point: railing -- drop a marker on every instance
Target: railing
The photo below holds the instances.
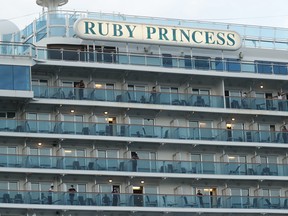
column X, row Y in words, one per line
column 141, row 165
column 61, row 23
column 257, row 103
column 182, row 62
column 181, row 99
column 112, row 95
column 17, row 49
column 142, row 200
column 186, row 62
column 144, row 131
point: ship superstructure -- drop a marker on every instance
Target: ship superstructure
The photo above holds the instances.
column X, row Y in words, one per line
column 110, row 114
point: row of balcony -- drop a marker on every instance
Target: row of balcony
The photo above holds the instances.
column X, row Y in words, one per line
column 142, row 131
column 181, row 99
column 142, row 165
column 142, row 200
column 165, row 60
column 63, row 20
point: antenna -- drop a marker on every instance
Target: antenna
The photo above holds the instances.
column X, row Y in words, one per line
column 52, row 5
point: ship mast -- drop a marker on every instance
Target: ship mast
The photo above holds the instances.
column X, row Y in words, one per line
column 51, row 5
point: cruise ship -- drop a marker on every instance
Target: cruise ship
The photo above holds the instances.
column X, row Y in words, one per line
column 116, row 115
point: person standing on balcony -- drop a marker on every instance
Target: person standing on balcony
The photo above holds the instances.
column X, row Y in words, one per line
column 106, row 200
column 71, row 192
column 50, row 194
column 153, row 95
column 200, row 197
column 280, row 97
column 284, row 134
column 81, row 87
column 115, row 197
column 244, row 100
column 135, row 157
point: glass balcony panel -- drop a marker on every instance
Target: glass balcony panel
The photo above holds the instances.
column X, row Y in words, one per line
column 175, row 100
column 70, row 162
column 154, row 60
column 264, row 67
column 46, row 162
column 267, row 32
column 252, row 43
column 216, row 101
column 180, row 133
column 206, row 134
column 235, row 102
column 208, row 167
column 280, row 69
column 85, row 56
column 41, row 22
column 233, row 65
column 68, row 127
column 113, row 164
column 260, row 103
column 98, row 94
column 264, row 136
column 41, row 34
column 57, row 19
column 267, row 44
column 164, row 98
column 71, row 55
column 5, row 49
column 57, row 31
column 72, row 18
column 123, row 59
column 28, row 31
column 281, row 33
column 167, row 60
column 237, row 135
column 202, row 63
column 248, row 67
column 102, row 129
column 14, row 161
column 281, row 45
column 148, row 131
column 252, row 31
column 110, row 95
column 144, row 166
column 54, row 54
column 109, row 57
column 194, row 133
column 137, row 60
column 186, row 62
column 239, row 29
column 41, row 54
column 101, row 164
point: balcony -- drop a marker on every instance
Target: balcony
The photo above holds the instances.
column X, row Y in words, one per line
column 129, row 58
column 181, row 62
column 125, row 200
column 141, row 131
column 163, row 98
column 141, row 165
column 112, row 95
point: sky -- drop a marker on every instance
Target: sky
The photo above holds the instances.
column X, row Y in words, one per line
column 253, row 12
